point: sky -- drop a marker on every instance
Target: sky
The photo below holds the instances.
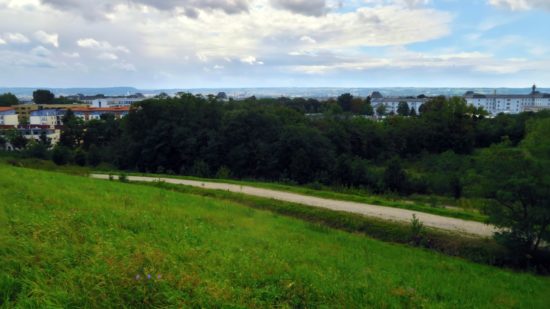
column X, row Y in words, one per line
column 161, row 44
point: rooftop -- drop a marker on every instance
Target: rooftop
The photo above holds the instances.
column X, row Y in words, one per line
column 101, row 109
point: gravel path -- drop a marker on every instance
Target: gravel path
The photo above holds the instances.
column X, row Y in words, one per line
column 381, row 212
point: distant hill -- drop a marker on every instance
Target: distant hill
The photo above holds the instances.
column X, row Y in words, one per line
column 309, row 92
column 113, row 91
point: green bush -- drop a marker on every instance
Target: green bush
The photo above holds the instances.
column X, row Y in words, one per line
column 80, row 157
column 61, row 155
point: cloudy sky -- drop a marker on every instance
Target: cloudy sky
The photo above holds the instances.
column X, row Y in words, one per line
column 274, row 43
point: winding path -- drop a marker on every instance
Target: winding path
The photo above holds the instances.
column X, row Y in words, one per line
column 381, row 212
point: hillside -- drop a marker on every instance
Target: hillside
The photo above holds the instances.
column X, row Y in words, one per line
column 68, row 241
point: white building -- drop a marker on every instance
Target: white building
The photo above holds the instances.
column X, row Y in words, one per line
column 509, row 104
column 392, row 103
column 47, row 117
column 34, row 132
column 93, row 113
column 114, row 102
column 8, row 117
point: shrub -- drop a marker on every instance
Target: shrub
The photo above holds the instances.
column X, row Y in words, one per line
column 123, row 178
column 61, row 155
column 80, row 157
column 37, row 150
column 94, row 156
column 223, row 173
column 200, row 169
column 417, row 231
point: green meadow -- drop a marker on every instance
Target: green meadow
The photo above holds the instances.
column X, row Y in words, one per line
column 70, row 242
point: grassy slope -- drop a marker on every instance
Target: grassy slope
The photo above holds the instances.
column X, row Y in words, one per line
column 70, row 241
column 466, row 214
column 419, row 203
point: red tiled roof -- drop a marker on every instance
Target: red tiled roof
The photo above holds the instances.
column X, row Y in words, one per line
column 5, row 109
column 102, row 109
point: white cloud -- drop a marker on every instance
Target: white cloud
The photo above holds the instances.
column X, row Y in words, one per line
column 231, row 39
column 101, row 45
column 16, row 38
column 107, row 56
column 308, row 39
column 251, row 60
column 402, row 59
column 47, row 38
column 521, row 4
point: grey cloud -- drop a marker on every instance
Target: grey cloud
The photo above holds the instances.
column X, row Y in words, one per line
column 98, row 9
column 414, row 3
column 522, row 4
column 304, row 7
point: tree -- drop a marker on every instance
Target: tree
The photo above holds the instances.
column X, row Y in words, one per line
column 94, row 156
column 162, row 96
column 381, row 110
column 73, row 130
column 518, row 179
column 368, row 109
column 403, row 109
column 17, row 140
column 42, row 96
column 449, row 124
column 8, row 99
column 80, row 157
column 61, row 155
column 395, row 178
column 358, row 106
column 413, row 113
column 3, row 142
column 45, row 140
column 345, row 101
column 37, row 150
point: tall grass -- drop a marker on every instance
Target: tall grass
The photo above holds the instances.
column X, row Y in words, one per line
column 72, row 242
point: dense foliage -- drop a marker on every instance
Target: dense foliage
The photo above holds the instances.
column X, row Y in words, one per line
column 8, row 99
column 298, row 140
column 42, row 96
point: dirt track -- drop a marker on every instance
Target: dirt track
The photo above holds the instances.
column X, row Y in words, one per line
column 387, row 213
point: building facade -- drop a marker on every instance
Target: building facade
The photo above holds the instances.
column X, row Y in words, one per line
column 495, row 103
column 47, row 117
column 92, row 113
column 34, row 132
column 24, row 110
column 392, row 103
column 114, row 102
column 8, row 117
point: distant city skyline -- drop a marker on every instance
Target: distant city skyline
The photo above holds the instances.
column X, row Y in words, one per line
column 189, row 44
